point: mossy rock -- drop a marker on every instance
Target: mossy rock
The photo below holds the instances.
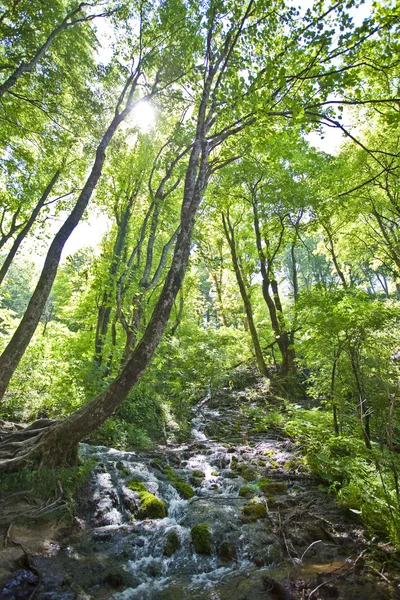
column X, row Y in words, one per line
column 137, row 486
column 198, row 474
column 273, row 487
column 255, row 511
column 271, row 501
column 226, row 551
column 248, row 474
column 196, row 482
column 172, row 543
column 122, row 469
column 246, row 492
column 215, row 473
column 150, row 506
column 269, row 453
column 201, row 538
column 273, row 464
column 184, row 489
column 262, row 463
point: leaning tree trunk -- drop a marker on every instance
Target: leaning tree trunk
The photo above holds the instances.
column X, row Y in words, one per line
column 13, row 353
column 54, row 443
column 27, row 227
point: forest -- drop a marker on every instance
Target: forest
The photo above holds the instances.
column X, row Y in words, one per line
column 200, row 203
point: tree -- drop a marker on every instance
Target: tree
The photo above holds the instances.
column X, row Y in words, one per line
column 231, row 39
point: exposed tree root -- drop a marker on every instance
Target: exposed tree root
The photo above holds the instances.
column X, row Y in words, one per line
column 19, row 446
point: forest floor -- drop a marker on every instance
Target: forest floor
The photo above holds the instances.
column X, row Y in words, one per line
column 276, row 533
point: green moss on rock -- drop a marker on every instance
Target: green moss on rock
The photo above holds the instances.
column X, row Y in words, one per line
column 247, row 473
column 122, row 469
column 201, row 538
column 150, row 506
column 255, row 511
column 273, row 487
column 246, row 491
column 226, row 551
column 172, row 543
column 184, row 489
column 137, row 486
column 198, row 474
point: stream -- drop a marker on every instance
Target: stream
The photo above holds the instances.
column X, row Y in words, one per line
column 296, row 542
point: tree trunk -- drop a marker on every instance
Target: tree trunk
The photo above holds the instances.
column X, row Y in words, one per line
column 104, row 310
column 27, row 227
column 230, row 236
column 14, row 351
column 273, row 302
column 57, row 443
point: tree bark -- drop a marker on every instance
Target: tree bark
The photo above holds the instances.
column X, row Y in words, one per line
column 27, row 227
column 104, row 309
column 273, row 302
column 230, row 236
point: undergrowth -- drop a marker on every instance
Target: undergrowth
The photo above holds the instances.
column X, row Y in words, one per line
column 365, row 481
column 48, row 482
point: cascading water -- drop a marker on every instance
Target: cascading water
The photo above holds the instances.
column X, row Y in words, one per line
column 242, row 491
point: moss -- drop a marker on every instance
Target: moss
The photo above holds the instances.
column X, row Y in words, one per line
column 226, row 551
column 246, row 491
column 262, row 463
column 255, row 511
column 150, row 506
column 201, row 538
column 198, row 474
column 273, row 487
column 274, row 464
column 269, row 453
column 172, row 543
column 137, row 486
column 214, row 473
column 271, row 501
column 122, row 469
column 293, row 463
column 248, row 474
column 184, row 489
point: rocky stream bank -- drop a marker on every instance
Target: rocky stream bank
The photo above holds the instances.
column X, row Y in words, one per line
column 231, row 514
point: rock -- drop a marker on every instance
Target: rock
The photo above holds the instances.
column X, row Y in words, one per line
column 201, row 538
column 150, row 506
column 172, row 543
column 103, row 536
column 122, row 469
column 255, row 511
column 11, row 558
column 246, row 491
column 272, row 487
column 184, row 489
column 226, row 551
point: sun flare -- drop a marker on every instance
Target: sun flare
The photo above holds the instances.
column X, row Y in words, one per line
column 143, row 116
